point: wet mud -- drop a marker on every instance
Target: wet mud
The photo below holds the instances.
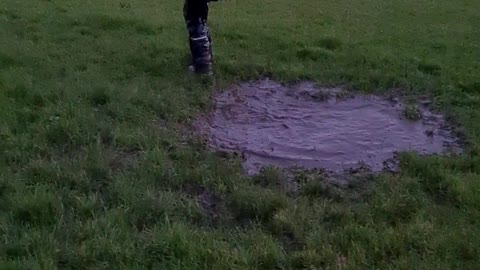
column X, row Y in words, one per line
column 302, row 126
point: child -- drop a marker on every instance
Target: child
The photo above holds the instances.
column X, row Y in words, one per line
column 200, row 41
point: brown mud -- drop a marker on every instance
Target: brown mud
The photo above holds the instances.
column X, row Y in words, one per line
column 272, row 125
column 207, row 200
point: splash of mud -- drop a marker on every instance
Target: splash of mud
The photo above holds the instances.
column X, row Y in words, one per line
column 301, row 126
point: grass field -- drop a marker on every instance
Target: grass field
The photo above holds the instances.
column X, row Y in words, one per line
column 98, row 171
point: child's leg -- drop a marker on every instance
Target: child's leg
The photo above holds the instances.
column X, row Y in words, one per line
column 193, row 10
column 196, row 15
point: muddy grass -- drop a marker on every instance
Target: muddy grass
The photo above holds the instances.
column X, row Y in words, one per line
column 301, row 126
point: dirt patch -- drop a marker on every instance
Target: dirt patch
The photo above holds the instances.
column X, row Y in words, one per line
column 122, row 160
column 329, row 128
column 207, row 200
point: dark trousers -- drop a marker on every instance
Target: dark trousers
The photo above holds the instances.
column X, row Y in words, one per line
column 195, row 11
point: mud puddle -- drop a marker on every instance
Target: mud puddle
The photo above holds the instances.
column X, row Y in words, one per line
column 302, row 126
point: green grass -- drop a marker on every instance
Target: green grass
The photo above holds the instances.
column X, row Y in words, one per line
column 96, row 159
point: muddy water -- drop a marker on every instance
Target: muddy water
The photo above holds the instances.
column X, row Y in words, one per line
column 301, row 126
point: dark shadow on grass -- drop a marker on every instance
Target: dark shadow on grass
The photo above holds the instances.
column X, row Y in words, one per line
column 430, row 69
column 473, row 87
column 314, row 54
column 7, row 61
column 329, row 43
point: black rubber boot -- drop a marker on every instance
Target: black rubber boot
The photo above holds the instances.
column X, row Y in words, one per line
column 200, row 40
column 200, row 43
